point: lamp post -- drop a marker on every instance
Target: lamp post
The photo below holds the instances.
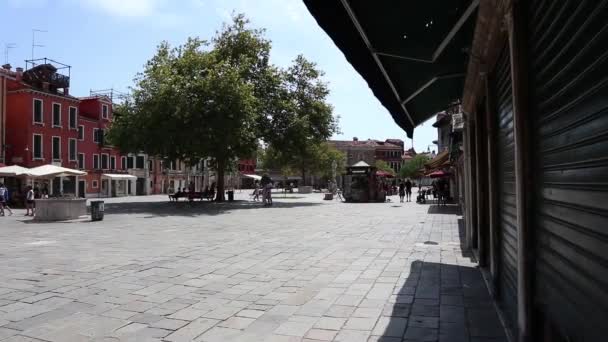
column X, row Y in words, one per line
column 334, row 166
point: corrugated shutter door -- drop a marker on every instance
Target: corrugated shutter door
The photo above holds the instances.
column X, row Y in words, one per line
column 507, row 218
column 569, row 89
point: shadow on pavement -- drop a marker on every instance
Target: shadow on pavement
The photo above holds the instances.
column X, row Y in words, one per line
column 450, row 209
column 442, row 302
column 195, row 208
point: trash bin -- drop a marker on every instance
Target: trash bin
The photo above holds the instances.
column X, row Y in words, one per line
column 230, row 195
column 97, row 210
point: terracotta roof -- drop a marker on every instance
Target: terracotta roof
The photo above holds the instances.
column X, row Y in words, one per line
column 390, row 143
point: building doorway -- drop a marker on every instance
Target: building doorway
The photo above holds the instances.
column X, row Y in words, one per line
column 81, row 188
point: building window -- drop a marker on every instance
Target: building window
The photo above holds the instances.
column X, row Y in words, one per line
column 95, row 184
column 56, row 148
column 139, row 162
column 104, row 111
column 72, row 149
column 150, row 164
column 98, row 135
column 56, row 115
column 104, row 161
column 129, row 162
column 112, row 163
column 81, row 161
column 96, row 161
column 81, row 132
column 37, row 111
column 123, row 162
column 73, row 117
column 37, row 148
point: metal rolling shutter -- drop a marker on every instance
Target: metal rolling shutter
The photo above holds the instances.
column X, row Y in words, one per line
column 569, row 95
column 507, row 218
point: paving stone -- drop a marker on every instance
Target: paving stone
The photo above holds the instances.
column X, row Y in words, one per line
column 424, row 322
column 192, row 330
column 390, row 327
column 169, row 324
column 188, row 314
column 218, row 334
column 352, row 336
column 340, row 311
column 330, row 323
column 221, row 313
column 6, row 333
column 199, row 276
column 137, row 306
column 236, row 323
column 321, row 335
column 293, row 328
column 356, row 323
column 145, row 318
column 367, row 312
column 250, row 313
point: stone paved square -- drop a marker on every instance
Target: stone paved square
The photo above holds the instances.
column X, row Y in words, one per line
column 302, row 270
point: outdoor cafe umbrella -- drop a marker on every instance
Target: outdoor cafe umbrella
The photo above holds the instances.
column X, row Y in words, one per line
column 52, row 171
column 381, row 173
column 13, row 171
column 439, row 174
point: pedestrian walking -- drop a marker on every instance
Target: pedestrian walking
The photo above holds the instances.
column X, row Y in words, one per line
column 266, row 184
column 29, row 202
column 256, row 191
column 401, row 191
column 408, row 190
column 4, row 200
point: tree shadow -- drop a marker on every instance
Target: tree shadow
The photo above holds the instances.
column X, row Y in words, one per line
column 193, row 209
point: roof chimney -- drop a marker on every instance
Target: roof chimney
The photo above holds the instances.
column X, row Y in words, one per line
column 355, row 139
column 19, row 73
column 6, row 67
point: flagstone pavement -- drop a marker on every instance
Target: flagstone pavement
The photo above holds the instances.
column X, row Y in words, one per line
column 302, row 270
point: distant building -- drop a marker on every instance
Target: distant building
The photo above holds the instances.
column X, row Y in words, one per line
column 370, row 151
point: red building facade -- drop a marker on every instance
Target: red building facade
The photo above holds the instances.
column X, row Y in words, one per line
column 46, row 125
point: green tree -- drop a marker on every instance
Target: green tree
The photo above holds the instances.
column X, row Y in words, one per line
column 383, row 166
column 301, row 119
column 411, row 169
column 202, row 100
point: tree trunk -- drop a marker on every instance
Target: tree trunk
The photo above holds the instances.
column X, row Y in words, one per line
column 304, row 176
column 219, row 196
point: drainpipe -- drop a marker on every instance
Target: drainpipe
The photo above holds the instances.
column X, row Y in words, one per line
column 3, row 123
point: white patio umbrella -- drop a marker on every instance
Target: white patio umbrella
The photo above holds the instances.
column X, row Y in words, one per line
column 13, row 171
column 51, row 171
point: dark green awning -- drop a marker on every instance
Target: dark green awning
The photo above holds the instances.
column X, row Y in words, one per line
column 413, row 54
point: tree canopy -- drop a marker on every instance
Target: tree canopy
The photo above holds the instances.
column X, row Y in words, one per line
column 217, row 99
column 381, row 165
column 298, row 130
column 411, row 169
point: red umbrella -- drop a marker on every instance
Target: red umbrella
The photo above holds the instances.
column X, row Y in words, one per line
column 439, row 174
column 383, row 174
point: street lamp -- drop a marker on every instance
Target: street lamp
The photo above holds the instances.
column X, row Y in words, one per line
column 334, row 166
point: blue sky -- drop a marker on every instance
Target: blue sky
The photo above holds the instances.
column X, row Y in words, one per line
column 108, row 41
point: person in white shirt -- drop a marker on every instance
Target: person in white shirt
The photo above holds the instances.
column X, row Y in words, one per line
column 29, row 202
